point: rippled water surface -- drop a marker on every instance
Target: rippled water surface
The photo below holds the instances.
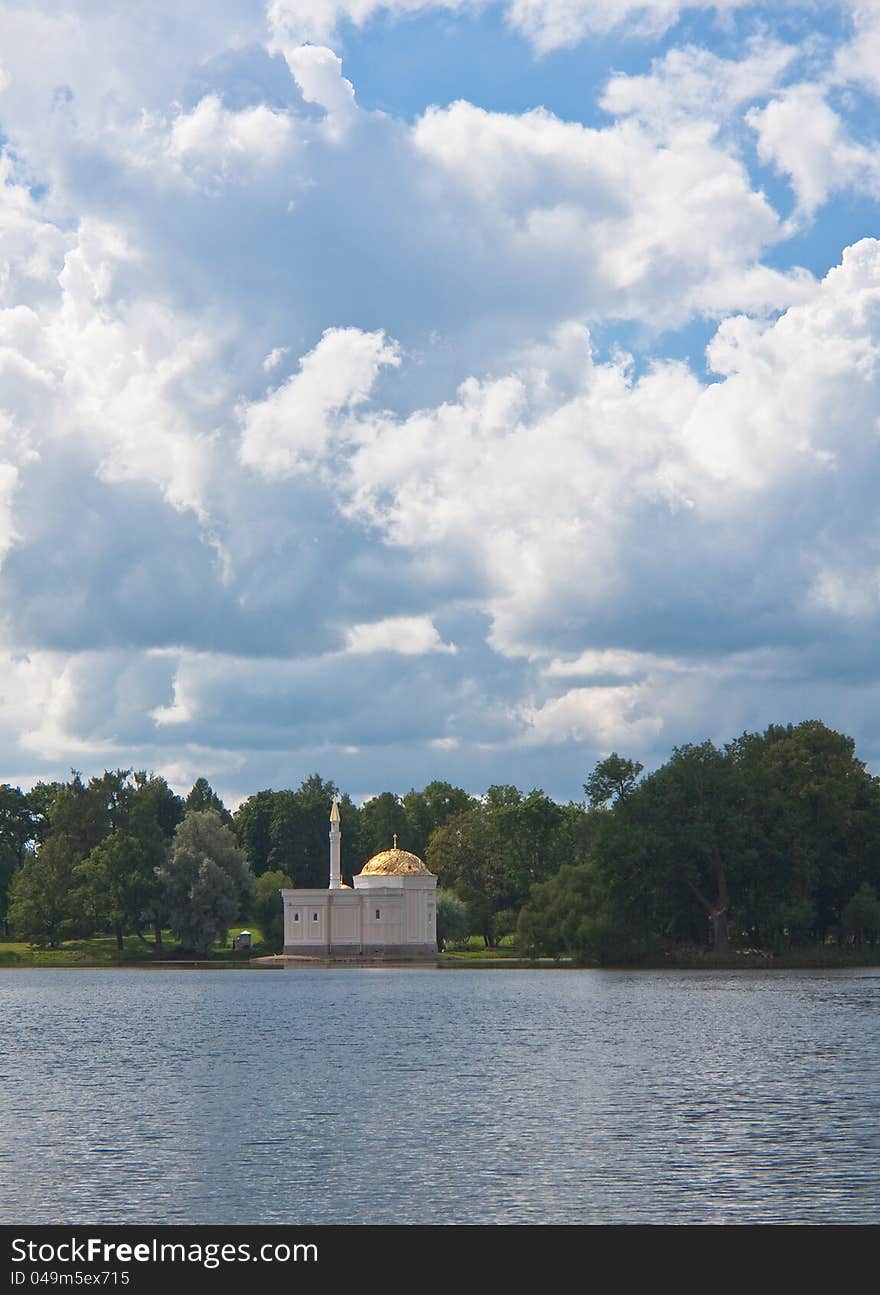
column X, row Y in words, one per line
column 381, row 1096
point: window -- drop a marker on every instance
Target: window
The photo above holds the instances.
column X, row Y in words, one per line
column 314, row 917
column 296, row 917
column 378, row 914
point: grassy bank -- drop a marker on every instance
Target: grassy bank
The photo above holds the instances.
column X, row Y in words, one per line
column 101, row 951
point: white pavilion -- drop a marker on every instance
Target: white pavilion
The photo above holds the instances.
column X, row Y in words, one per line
column 391, row 912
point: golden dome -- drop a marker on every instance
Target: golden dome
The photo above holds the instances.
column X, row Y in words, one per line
column 394, row 863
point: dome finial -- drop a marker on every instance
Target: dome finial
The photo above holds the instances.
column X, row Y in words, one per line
column 395, row 840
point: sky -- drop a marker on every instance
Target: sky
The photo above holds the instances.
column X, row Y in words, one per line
column 457, row 389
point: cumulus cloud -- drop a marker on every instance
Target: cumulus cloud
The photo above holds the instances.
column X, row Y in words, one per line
column 32, row 247
column 694, row 81
column 802, row 136
column 610, row 216
column 600, row 717
column 113, row 372
column 858, row 60
column 406, row 635
column 212, row 139
column 318, row 73
column 457, row 524
column 547, row 24
column 534, row 490
column 296, row 423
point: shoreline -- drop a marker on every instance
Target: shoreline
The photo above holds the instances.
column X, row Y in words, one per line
column 442, row 962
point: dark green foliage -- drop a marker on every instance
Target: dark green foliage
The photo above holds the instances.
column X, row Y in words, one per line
column 429, row 809
column 17, row 834
column 288, row 830
column 570, row 915
column 202, row 796
column 613, row 778
column 860, row 919
column 42, row 906
column 253, row 828
column 266, row 908
column 766, row 843
column 492, row 853
column 381, row 819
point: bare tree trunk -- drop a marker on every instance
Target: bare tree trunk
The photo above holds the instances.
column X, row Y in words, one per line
column 720, row 943
column 719, row 911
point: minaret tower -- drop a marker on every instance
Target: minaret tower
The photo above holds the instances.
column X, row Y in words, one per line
column 335, row 847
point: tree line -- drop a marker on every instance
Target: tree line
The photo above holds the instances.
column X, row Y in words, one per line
column 122, row 853
column 771, row 841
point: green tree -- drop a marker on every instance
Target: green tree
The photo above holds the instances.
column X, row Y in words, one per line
column 494, row 852
column 202, row 796
column 266, row 906
column 461, row 855
column 117, row 884
column 17, row 836
column 206, row 880
column 299, row 832
column 429, row 809
column 253, row 828
column 154, row 800
column 812, row 816
column 42, row 907
column 113, row 885
column 613, row 779
column 861, row 916
column 41, row 798
column 287, row 831
column 79, row 812
column 452, row 920
column 381, row 819
column 569, row 916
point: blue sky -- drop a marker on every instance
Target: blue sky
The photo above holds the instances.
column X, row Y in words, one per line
column 427, row 390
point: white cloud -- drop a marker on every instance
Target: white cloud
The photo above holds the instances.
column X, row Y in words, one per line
column 318, row 73
column 274, row 358
column 180, row 711
column 406, row 635
column 553, row 24
column 695, row 82
column 600, row 717
column 296, row 22
column 222, row 143
column 8, row 486
column 546, row 499
column 608, row 662
column 602, row 539
column 612, row 217
column 86, row 363
column 858, row 61
column 31, row 247
column 547, row 24
column 802, row 136
column 293, row 426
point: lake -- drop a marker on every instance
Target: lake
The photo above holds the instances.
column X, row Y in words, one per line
column 423, row 1096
